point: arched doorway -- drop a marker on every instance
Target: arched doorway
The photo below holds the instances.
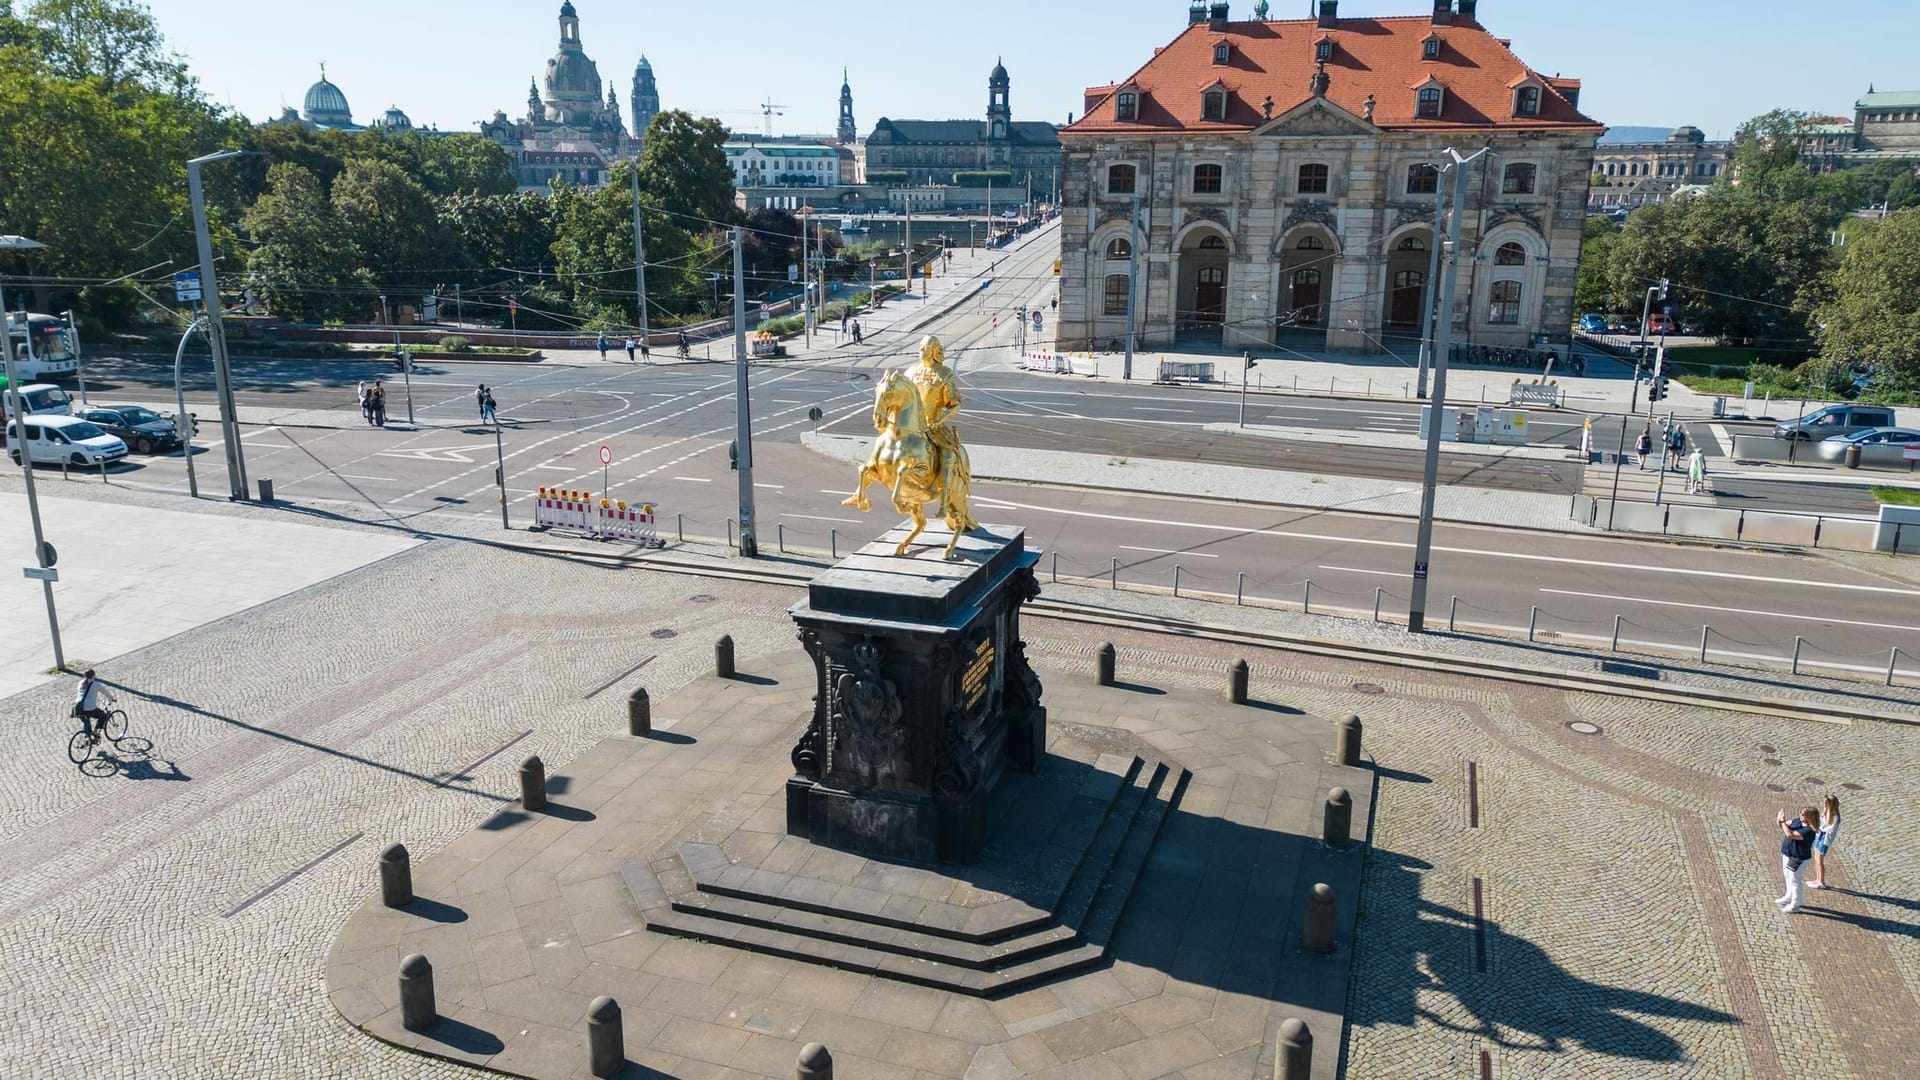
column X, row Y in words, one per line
column 1407, row 282
column 1306, row 268
column 1202, row 298
column 1305, row 297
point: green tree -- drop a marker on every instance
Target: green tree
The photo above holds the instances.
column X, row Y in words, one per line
column 683, row 166
column 304, row 259
column 1872, row 315
column 1594, row 291
column 498, row 236
column 392, row 222
column 115, row 41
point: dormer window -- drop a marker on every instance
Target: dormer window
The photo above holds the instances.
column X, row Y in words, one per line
column 1323, row 50
column 1213, row 105
column 1126, row 106
column 1222, row 53
column 1430, row 47
column 1526, row 101
column 1427, row 104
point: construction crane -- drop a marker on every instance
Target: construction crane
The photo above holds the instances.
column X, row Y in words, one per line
column 769, row 110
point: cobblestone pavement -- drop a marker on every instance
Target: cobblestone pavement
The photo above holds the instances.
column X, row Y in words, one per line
column 171, row 918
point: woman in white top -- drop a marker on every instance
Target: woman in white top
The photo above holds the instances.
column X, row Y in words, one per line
column 1823, row 840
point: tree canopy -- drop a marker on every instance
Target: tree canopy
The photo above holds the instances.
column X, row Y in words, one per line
column 1871, row 316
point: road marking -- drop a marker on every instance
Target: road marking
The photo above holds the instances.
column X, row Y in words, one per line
column 1357, row 570
column 554, row 468
column 1732, row 611
column 357, row 476
column 1164, row 551
column 1150, row 408
column 457, row 454
column 772, row 487
column 1726, row 440
column 817, row 517
column 695, row 479
column 1287, row 534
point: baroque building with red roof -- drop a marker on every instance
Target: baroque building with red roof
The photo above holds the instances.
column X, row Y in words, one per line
column 1285, row 174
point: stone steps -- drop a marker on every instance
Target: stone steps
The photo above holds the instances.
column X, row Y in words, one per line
column 683, row 897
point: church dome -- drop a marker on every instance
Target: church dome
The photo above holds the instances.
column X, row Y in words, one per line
column 325, row 102
column 396, row 120
column 1687, row 134
column 570, row 76
column 999, row 72
column 567, row 12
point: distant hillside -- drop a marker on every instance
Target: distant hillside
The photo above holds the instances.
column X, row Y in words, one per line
column 1636, row 135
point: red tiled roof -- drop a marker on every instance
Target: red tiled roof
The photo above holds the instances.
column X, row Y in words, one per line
column 1378, row 57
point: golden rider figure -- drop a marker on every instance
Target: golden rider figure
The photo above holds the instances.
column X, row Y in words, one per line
column 940, row 399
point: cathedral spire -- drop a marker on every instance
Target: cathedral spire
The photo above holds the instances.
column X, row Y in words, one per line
column 848, row 132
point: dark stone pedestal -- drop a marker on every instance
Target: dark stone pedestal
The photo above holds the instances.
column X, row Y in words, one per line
column 923, row 697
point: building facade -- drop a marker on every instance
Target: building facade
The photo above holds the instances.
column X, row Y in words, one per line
column 572, row 129
column 1285, row 176
column 760, row 163
column 1634, row 174
column 1885, row 127
column 924, row 152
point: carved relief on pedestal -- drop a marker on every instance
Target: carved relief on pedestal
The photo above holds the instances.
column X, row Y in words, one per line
column 867, row 735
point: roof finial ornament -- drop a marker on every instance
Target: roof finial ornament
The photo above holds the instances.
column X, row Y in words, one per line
column 1320, row 79
column 1260, row 10
column 1266, row 107
column 1369, row 107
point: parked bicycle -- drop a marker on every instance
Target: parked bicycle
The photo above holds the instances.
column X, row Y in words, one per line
column 110, row 727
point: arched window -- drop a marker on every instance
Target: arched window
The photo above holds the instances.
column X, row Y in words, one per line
column 1311, row 243
column 1119, row 248
column 1120, row 179
column 1206, row 179
column 1518, row 178
column 1213, row 242
column 1430, row 48
column 1323, row 50
column 1413, row 243
column 1213, row 105
column 1423, row 179
column 1503, row 308
column 1127, row 106
column 1313, row 180
column 1114, row 297
column 1222, row 53
column 1526, row 101
column 1510, row 255
column 1428, row 105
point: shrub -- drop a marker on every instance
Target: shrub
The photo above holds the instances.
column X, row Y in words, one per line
column 454, row 343
column 783, row 326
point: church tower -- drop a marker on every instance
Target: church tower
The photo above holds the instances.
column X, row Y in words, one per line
column 999, row 113
column 646, row 98
column 848, row 133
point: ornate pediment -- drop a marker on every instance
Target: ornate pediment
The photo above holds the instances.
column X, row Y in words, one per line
column 1317, row 116
column 1509, row 213
column 1215, row 214
column 1314, row 212
column 1405, row 214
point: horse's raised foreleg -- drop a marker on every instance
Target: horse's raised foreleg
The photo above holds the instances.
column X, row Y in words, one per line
column 858, row 500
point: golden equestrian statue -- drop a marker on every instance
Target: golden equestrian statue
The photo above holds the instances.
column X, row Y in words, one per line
column 916, row 453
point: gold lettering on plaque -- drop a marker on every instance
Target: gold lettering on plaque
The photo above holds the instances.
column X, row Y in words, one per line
column 979, row 674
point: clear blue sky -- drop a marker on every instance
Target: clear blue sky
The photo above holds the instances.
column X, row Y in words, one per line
column 1710, row 63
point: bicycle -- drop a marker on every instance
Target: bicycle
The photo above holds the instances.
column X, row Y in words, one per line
column 86, row 741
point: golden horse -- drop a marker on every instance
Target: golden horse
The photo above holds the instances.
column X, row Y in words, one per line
column 916, row 471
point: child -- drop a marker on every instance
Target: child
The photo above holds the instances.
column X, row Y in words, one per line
column 1824, row 839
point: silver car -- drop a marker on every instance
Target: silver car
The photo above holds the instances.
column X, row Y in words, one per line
column 1878, row 446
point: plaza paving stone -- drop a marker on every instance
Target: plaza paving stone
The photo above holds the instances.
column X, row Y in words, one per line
column 173, row 918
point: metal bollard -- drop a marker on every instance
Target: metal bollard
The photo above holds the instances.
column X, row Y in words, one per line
column 680, row 527
column 606, row 1041
column 833, row 542
column 1056, row 568
column 1797, row 642
column 1893, row 661
column 1346, row 747
column 1614, row 645
column 1336, row 826
column 723, row 656
column 1293, row 1059
column 1176, row 579
column 814, row 1063
column 1113, row 575
column 1240, row 590
column 533, row 784
column 1316, row 931
column 1103, row 658
column 729, row 532
column 416, row 994
column 266, row 486
column 639, row 712
column 396, row 876
column 1237, row 682
column 1306, row 598
column 1704, row 632
column 1533, row 621
column 780, row 534
column 1377, row 594
column 1453, row 612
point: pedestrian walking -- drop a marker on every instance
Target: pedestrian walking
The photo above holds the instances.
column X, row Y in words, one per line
column 646, row 355
column 856, row 331
column 1823, row 840
column 487, row 406
column 1644, row 445
column 1796, row 847
column 845, row 316
column 631, row 345
column 377, row 404
column 361, row 396
column 1696, row 472
column 1676, row 446
column 684, row 343
column 480, row 400
column 603, row 346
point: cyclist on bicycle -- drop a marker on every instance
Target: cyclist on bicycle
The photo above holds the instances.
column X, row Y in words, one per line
column 90, row 704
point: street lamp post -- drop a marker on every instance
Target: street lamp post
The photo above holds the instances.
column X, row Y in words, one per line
column 183, row 424
column 1443, row 331
column 216, row 330
column 43, row 556
column 743, row 414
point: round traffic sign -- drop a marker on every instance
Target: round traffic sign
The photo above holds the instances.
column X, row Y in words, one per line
column 606, row 455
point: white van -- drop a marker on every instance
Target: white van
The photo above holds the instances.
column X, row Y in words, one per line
column 40, row 398
column 54, row 440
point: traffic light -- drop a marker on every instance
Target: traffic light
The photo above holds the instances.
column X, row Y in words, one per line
column 1657, row 389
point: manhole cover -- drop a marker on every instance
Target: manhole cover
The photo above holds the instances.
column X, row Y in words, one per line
column 1770, row 761
column 1581, row 727
column 1851, row 786
column 701, row 598
column 664, row 633
column 1776, row 788
column 1369, row 688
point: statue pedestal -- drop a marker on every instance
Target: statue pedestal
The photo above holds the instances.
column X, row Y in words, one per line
column 923, row 698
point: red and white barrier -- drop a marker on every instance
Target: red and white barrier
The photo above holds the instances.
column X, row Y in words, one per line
column 579, row 512
column 1048, row 361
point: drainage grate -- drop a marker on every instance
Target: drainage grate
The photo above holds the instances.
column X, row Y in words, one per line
column 1369, row 688
column 701, row 598
column 663, row 633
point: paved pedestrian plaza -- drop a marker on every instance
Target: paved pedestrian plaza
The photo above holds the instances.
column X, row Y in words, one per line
column 1568, row 884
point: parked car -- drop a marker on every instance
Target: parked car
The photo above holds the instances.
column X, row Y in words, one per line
column 1625, row 324
column 1591, row 323
column 143, row 429
column 53, row 440
column 1878, row 446
column 1662, row 323
column 1835, row 420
